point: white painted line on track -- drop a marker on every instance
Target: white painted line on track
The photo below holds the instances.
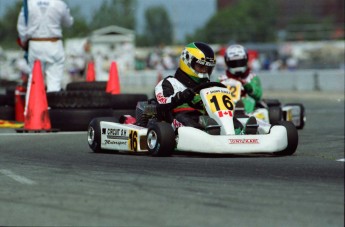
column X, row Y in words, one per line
column 43, row 133
column 20, row 179
column 341, row 160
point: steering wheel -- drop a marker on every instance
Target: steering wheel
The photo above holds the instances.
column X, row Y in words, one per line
column 199, row 87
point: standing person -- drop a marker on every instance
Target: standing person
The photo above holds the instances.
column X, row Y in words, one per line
column 39, row 26
column 236, row 60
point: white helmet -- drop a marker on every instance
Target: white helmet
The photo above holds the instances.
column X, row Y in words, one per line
column 236, row 58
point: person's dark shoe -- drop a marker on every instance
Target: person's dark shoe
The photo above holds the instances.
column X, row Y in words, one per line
column 239, row 109
column 251, row 127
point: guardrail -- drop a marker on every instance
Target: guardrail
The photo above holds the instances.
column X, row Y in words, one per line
column 299, row 80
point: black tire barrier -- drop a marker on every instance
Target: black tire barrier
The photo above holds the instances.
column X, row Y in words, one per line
column 127, row 101
column 87, row 86
column 78, row 99
column 10, row 91
column 76, row 119
column 7, row 113
column 3, row 100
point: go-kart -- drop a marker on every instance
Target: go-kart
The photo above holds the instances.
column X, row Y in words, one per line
column 269, row 110
column 150, row 132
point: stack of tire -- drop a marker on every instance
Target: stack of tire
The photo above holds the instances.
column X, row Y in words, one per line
column 7, row 101
column 74, row 108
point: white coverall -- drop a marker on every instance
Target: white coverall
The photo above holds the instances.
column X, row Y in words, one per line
column 43, row 32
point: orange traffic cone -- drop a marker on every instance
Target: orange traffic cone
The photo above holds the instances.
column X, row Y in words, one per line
column 37, row 115
column 113, row 84
column 90, row 73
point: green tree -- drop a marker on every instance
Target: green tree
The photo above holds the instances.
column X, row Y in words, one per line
column 115, row 12
column 305, row 27
column 246, row 21
column 8, row 26
column 158, row 28
column 80, row 26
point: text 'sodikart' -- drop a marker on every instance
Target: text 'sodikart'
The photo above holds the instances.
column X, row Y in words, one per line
column 148, row 132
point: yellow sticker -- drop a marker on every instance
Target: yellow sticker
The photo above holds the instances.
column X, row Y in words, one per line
column 219, row 102
column 133, row 140
column 235, row 91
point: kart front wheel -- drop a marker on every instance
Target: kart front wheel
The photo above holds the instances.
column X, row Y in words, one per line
column 160, row 139
column 94, row 133
column 292, row 135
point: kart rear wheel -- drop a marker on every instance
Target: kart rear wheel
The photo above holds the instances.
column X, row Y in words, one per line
column 94, row 133
column 160, row 139
column 275, row 114
column 292, row 135
column 271, row 102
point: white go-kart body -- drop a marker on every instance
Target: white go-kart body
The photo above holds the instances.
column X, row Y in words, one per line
column 160, row 138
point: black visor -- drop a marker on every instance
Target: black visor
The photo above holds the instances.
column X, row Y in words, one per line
column 209, row 65
column 237, row 63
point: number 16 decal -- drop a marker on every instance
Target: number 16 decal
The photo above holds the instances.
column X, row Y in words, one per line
column 133, row 140
column 221, row 102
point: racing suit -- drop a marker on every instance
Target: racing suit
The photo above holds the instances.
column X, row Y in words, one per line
column 252, row 89
column 41, row 33
column 174, row 95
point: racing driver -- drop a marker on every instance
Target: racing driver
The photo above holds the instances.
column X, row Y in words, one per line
column 236, row 60
column 175, row 96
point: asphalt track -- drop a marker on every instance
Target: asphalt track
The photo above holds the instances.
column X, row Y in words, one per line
column 53, row 179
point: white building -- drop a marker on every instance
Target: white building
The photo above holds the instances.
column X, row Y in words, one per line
column 112, row 43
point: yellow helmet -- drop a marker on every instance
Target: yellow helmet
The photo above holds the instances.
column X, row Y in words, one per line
column 194, row 54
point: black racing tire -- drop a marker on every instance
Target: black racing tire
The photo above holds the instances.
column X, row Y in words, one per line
column 160, row 139
column 87, row 86
column 302, row 114
column 94, row 133
column 272, row 102
column 292, row 135
column 78, row 99
column 7, row 113
column 275, row 114
column 127, row 101
column 75, row 119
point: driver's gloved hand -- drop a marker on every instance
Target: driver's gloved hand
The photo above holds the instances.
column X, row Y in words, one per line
column 185, row 96
column 248, row 88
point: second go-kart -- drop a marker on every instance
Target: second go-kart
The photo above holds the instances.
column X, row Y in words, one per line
column 270, row 110
column 150, row 132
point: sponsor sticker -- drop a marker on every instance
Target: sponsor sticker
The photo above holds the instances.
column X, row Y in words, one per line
column 244, row 141
column 161, row 98
column 176, row 124
column 116, row 133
